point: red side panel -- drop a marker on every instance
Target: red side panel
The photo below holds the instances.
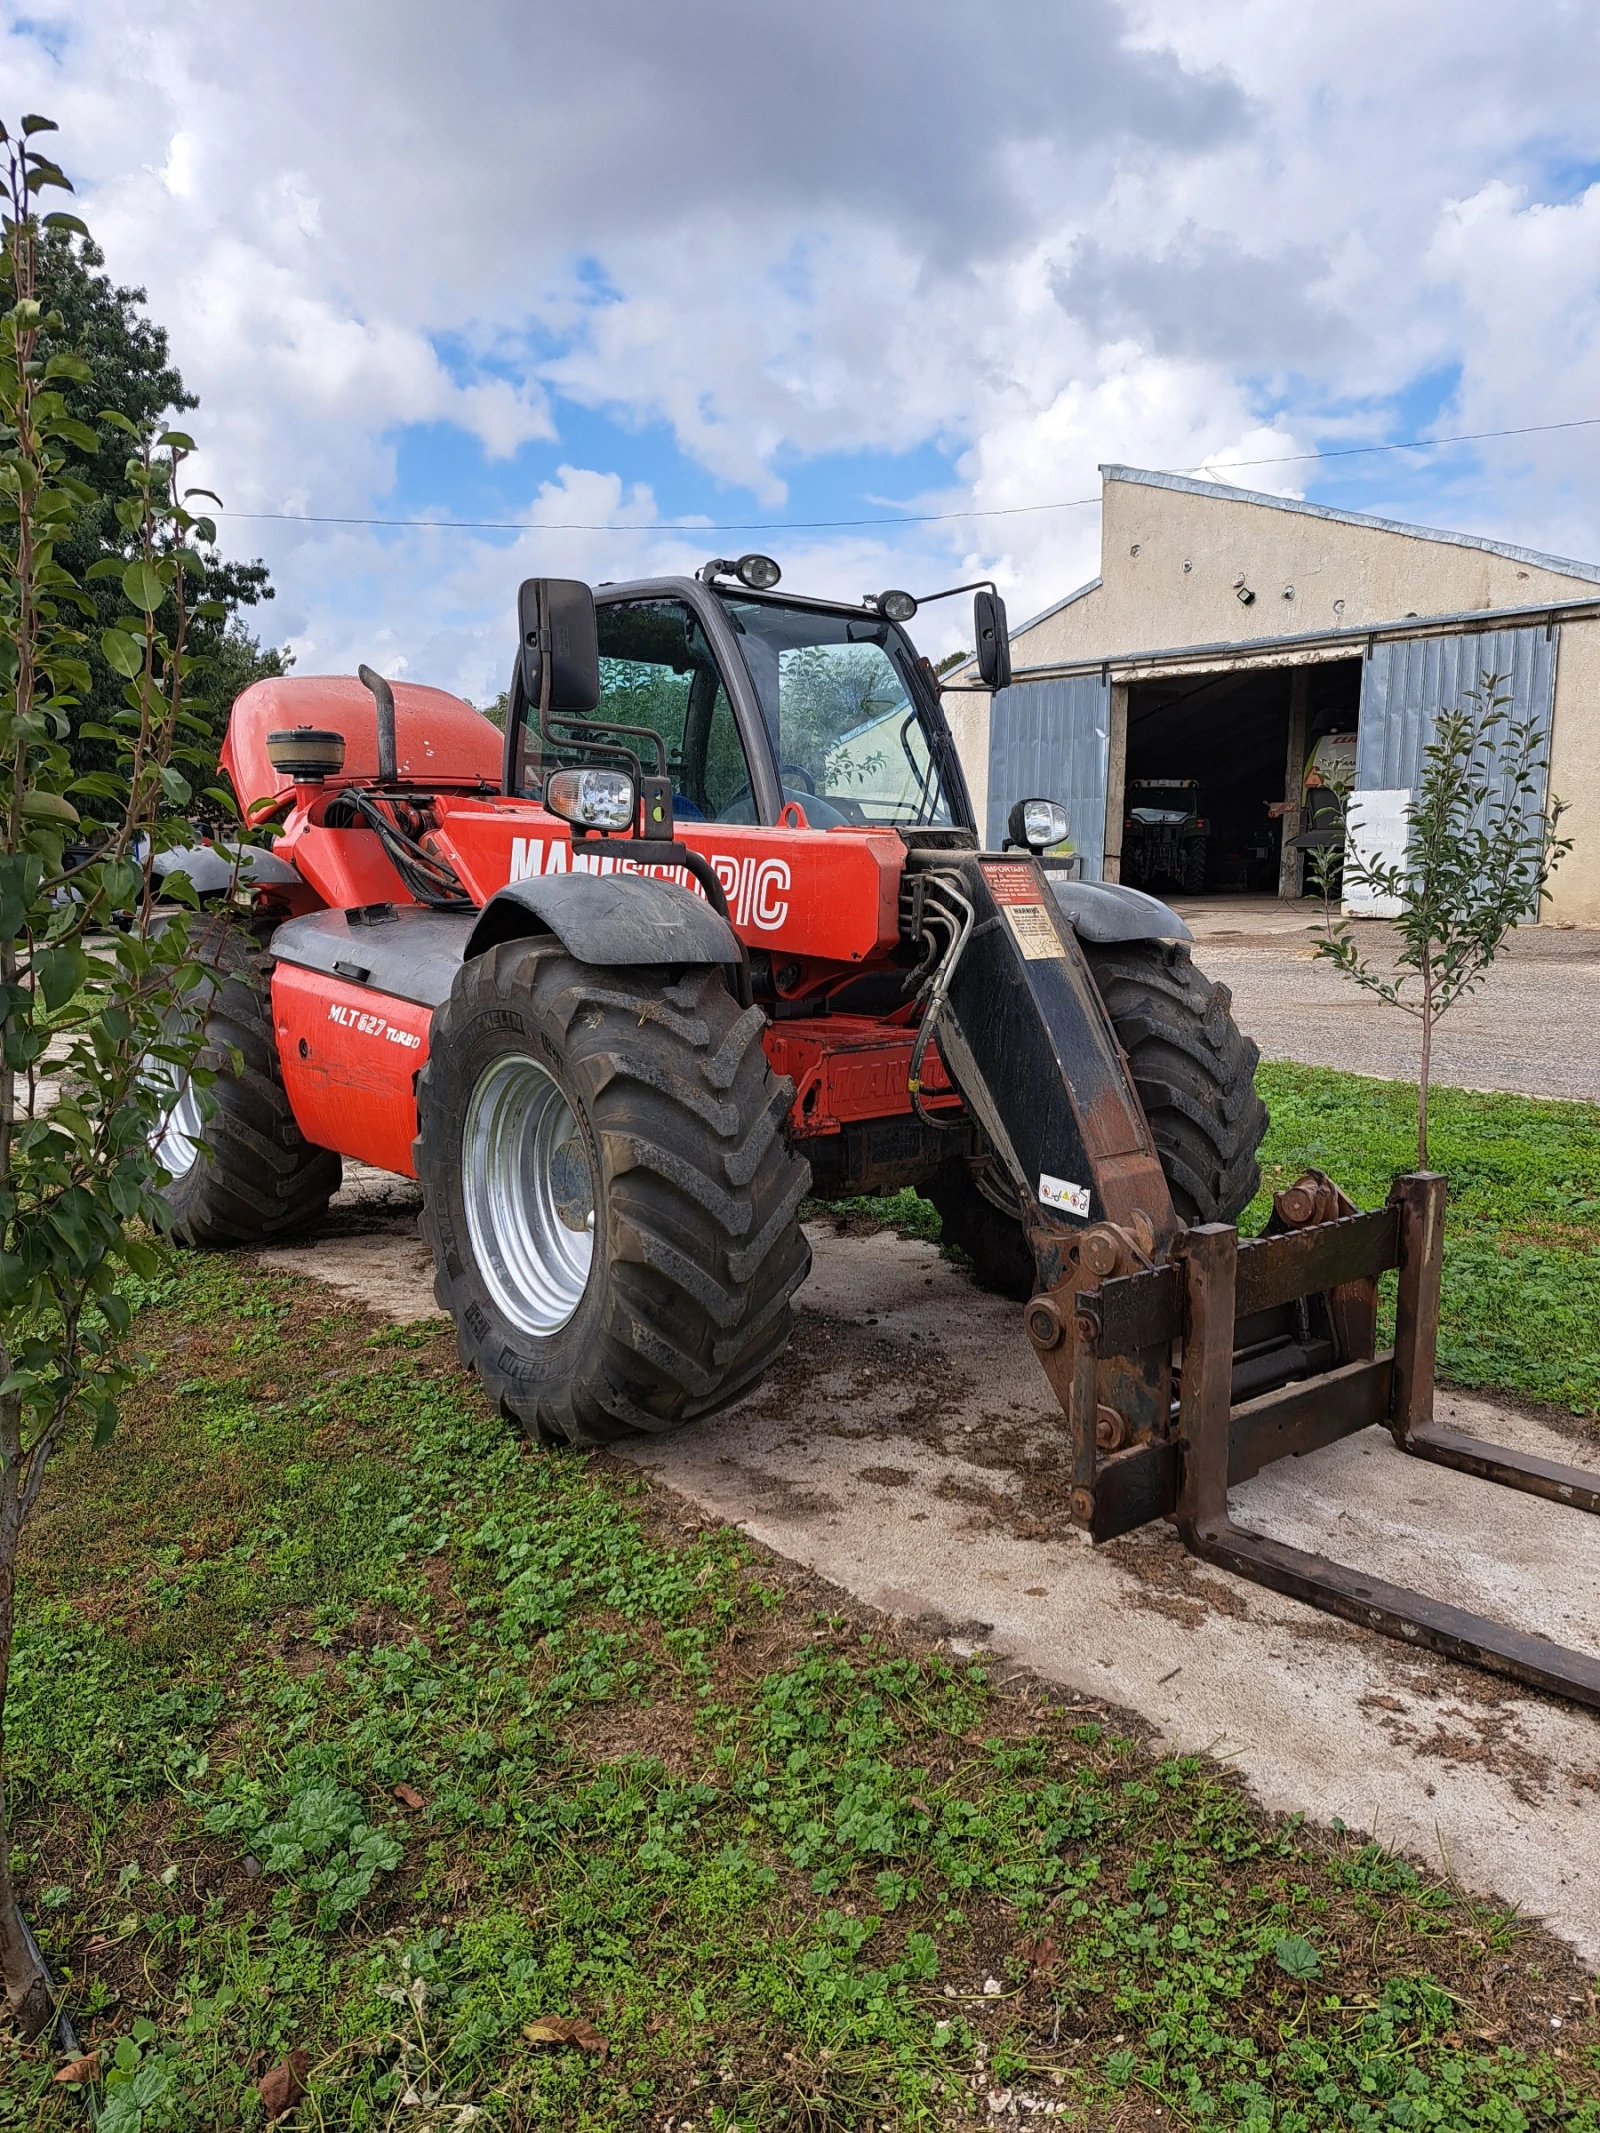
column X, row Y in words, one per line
column 350, row 1059
column 831, row 894
column 438, row 737
column 847, row 1067
column 346, row 867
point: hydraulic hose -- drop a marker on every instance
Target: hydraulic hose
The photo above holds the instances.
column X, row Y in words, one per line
column 938, row 993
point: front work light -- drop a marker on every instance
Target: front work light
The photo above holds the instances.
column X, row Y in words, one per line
column 1037, row 824
column 897, row 606
column 593, row 799
column 759, row 572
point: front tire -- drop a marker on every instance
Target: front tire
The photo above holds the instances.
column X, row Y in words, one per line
column 993, row 1240
column 1195, row 1076
column 610, row 1200
column 1194, row 1070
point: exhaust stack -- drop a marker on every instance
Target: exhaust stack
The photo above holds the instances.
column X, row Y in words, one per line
column 383, row 696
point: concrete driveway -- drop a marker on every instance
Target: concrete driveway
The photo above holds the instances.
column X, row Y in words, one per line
column 1532, row 1028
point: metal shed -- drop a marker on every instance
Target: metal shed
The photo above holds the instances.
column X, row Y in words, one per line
column 1197, row 583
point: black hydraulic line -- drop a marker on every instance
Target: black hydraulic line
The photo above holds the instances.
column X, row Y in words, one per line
column 430, row 880
column 66, row 2036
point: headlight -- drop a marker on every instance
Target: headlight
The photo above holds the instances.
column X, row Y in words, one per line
column 897, row 606
column 1037, row 824
column 594, row 799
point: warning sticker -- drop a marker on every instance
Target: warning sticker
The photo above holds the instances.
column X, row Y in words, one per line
column 1057, row 1192
column 1036, row 935
column 1012, row 882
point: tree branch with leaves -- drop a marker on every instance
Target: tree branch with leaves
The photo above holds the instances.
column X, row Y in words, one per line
column 95, row 1041
column 1481, row 845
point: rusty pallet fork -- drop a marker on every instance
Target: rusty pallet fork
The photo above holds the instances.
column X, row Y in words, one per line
column 1118, row 1333
column 1185, row 1360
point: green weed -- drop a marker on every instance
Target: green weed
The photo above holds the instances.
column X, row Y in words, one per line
column 470, row 1760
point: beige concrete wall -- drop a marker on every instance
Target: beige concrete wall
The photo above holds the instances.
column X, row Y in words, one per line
column 1169, row 558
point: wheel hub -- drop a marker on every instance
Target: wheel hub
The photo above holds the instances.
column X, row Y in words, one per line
column 177, row 1138
column 528, row 1188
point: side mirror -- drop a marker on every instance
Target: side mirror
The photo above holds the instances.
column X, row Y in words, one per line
column 993, row 640
column 555, row 621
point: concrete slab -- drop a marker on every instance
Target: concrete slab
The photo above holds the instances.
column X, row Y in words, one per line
column 1297, row 1006
column 368, row 1246
column 909, row 1450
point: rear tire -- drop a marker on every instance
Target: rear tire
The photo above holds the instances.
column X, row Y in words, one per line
column 1194, row 866
column 256, row 1176
column 1195, row 1076
column 608, row 1193
column 1194, row 1071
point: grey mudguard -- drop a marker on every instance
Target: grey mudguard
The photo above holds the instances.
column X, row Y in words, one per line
column 210, row 866
column 1111, row 911
column 399, row 949
column 608, row 918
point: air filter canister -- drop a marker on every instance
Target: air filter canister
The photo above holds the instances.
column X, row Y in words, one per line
column 307, row 754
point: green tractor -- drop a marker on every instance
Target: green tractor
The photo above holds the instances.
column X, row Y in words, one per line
column 1164, row 834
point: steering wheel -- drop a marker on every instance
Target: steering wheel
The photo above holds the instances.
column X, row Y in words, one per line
column 804, row 777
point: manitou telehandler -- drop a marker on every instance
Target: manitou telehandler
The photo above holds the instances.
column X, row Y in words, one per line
column 708, row 928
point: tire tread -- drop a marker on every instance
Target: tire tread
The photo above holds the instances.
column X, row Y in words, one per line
column 703, row 1191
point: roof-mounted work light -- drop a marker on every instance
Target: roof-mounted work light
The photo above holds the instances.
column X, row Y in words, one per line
column 759, row 572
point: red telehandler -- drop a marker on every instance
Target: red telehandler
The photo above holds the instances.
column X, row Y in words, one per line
column 709, row 928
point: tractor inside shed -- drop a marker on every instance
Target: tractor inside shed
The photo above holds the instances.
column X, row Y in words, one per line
column 1209, row 756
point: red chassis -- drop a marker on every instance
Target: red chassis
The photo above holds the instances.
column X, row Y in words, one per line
column 822, row 905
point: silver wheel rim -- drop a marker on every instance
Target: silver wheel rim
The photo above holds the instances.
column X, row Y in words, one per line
column 528, row 1187
column 177, row 1139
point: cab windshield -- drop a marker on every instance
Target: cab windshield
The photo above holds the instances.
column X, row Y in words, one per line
column 837, row 697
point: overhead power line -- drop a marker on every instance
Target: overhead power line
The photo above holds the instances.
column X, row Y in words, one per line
column 916, row 518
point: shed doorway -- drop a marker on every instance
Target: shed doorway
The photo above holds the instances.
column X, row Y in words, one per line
column 1206, row 760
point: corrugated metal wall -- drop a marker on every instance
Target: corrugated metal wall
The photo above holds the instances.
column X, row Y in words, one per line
column 1050, row 740
column 1406, row 682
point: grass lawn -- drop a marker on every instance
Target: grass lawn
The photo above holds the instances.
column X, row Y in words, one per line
column 507, row 1794
column 1520, row 1309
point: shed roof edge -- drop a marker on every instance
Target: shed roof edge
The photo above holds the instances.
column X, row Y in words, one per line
column 1225, row 492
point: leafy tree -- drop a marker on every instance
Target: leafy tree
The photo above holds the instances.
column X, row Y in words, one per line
column 136, row 380
column 1480, row 850
column 93, row 980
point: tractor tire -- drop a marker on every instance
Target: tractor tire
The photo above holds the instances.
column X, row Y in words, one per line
column 608, row 1193
column 247, row 1173
column 1195, row 1076
column 1001, row 1257
column 1194, row 866
column 1194, row 1072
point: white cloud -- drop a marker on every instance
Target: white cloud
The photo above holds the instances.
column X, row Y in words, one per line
column 1043, row 235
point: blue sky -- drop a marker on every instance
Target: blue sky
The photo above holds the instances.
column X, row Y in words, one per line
column 618, row 267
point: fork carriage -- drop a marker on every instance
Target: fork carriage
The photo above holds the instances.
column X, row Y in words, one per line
column 1161, row 1371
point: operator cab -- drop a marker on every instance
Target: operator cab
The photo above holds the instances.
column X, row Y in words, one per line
column 764, row 701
